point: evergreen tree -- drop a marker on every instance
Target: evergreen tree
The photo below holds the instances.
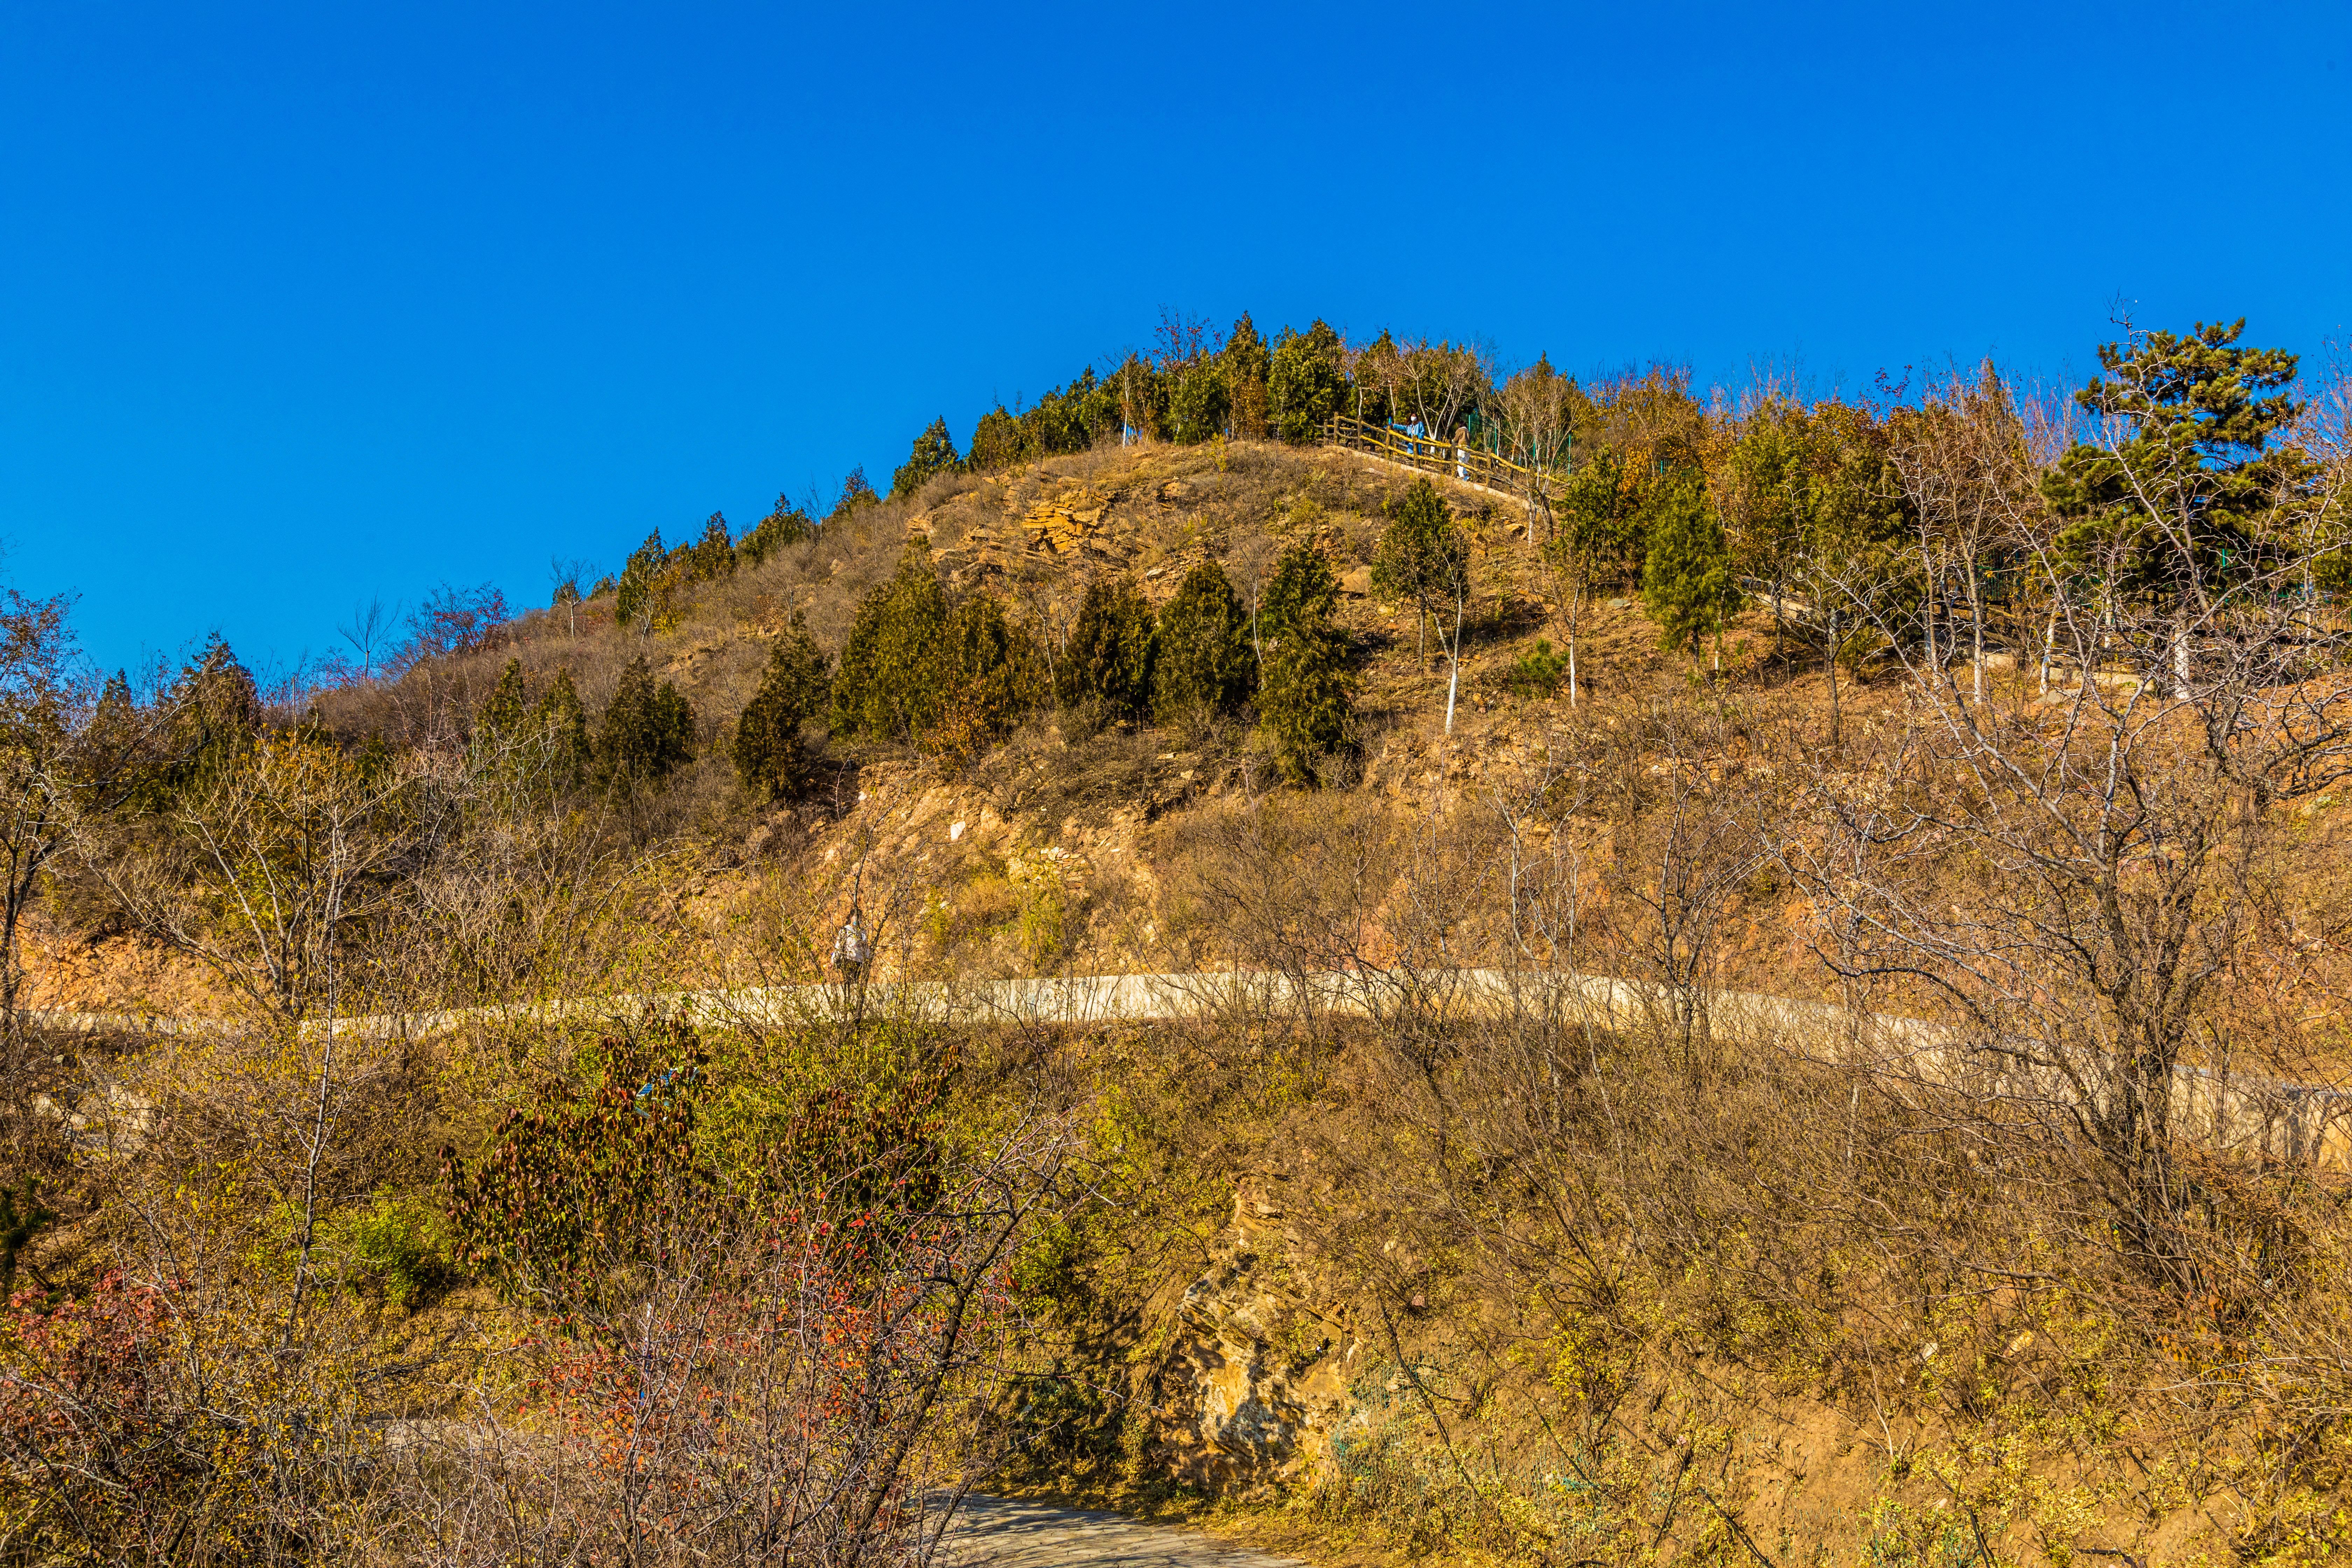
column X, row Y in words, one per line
column 785, row 524
column 2175, row 506
column 1424, row 557
column 769, row 754
column 562, row 724
column 1198, row 403
column 1246, row 362
column 501, row 717
column 1303, row 688
column 890, row 681
column 648, row 729
column 996, row 442
column 1200, row 660
column 934, row 453
column 1304, row 382
column 1304, row 699
column 1107, row 661
column 645, row 564
column 1301, row 593
column 856, row 492
column 712, row 556
column 1687, row 582
column 988, row 670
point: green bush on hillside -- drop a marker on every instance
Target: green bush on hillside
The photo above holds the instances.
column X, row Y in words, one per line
column 1202, row 662
column 1422, row 556
column 770, row 756
column 1247, row 361
column 1107, row 662
column 1198, row 403
column 645, row 563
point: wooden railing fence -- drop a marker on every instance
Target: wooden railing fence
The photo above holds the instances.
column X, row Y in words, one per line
column 1457, row 460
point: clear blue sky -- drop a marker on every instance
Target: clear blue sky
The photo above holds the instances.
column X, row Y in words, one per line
column 299, row 304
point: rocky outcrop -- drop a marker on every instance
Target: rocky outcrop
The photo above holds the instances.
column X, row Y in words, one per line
column 1256, row 1380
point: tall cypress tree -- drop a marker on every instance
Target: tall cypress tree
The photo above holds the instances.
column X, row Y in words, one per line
column 501, row 715
column 1109, row 658
column 645, row 564
column 1200, row 660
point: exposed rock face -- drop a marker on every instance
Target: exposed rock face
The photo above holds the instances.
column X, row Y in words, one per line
column 1256, row 1379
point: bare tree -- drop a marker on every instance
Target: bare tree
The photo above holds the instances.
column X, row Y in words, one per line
column 369, row 631
column 2076, row 877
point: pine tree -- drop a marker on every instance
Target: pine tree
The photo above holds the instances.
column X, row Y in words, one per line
column 856, row 492
column 770, row 756
column 648, row 729
column 2177, row 502
column 1198, row 403
column 1301, row 593
column 1304, row 699
column 934, row 453
column 1687, row 582
column 996, row 442
column 1201, row 661
column 1107, row 662
column 1424, row 557
column 1303, row 688
column 892, row 681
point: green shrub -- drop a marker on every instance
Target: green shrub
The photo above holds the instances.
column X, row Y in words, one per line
column 770, row 757
column 398, row 1248
column 1687, row 584
column 1201, row 661
column 1422, row 556
column 711, row 557
column 1538, row 673
column 996, row 442
column 648, row 729
column 950, row 680
column 1107, row 661
column 1246, row 362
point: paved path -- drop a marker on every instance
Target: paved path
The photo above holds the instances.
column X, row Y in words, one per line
column 2299, row 1123
column 999, row 1532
